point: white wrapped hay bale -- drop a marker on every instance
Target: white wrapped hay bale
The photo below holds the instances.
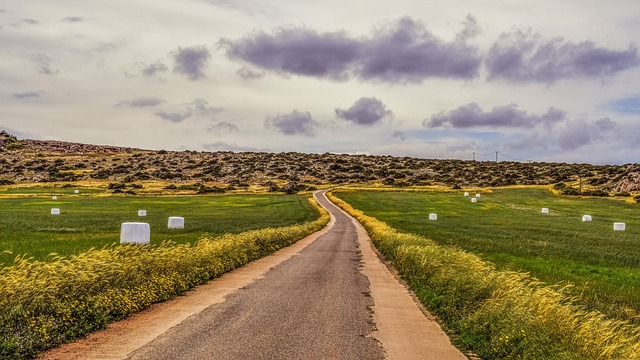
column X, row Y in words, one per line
column 135, row 233
column 474, row 200
column 586, row 218
column 175, row 222
column 477, row 195
column 55, row 211
column 433, row 216
column 54, row 198
column 76, row 191
column 466, row 193
column 545, row 210
column 142, row 212
column 619, row 226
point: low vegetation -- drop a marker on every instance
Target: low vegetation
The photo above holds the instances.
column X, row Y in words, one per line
column 44, row 304
column 57, row 161
column 498, row 314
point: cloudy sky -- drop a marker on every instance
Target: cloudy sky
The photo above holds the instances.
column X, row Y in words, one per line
column 541, row 80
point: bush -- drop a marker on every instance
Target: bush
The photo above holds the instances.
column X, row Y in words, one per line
column 294, row 187
column 389, row 181
column 202, row 189
column 596, row 192
column 566, row 190
column 116, row 186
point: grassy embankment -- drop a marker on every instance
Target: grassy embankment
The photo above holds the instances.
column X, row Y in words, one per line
column 503, row 314
column 44, row 304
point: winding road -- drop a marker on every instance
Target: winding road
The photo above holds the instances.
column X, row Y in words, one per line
column 328, row 296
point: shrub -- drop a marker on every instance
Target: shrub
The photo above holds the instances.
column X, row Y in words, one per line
column 203, row 189
column 597, row 192
column 114, row 186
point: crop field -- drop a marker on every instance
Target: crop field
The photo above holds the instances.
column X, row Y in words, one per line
column 507, row 228
column 88, row 220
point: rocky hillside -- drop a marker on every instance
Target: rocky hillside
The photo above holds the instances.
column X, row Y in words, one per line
column 25, row 161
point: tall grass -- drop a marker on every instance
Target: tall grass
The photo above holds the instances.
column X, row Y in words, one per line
column 45, row 304
column 498, row 314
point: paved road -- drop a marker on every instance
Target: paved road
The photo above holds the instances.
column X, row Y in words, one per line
column 316, row 305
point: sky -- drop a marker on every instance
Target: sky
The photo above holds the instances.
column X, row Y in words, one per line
column 543, row 80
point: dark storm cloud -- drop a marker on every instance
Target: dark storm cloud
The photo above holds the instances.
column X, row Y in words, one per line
column 472, row 115
column 43, row 63
column 172, row 116
column 30, row 21
column 579, row 133
column 73, row 19
column 140, row 102
column 402, row 51
column 470, row 29
column 575, row 134
column 399, row 135
column 521, row 56
column 249, row 74
column 569, row 135
column 296, row 123
column 223, row 127
column 197, row 109
column 298, row 51
column 27, row 94
column 201, row 107
column 153, row 69
column 191, row 61
column 365, row 111
column 407, row 52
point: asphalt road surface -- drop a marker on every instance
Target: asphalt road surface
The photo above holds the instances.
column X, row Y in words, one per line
column 313, row 306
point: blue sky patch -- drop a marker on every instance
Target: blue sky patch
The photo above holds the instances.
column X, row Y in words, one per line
column 629, row 105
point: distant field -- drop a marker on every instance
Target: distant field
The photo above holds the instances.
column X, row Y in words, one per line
column 507, row 227
column 27, row 227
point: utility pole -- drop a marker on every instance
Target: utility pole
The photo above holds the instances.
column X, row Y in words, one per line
column 580, row 175
column 496, row 156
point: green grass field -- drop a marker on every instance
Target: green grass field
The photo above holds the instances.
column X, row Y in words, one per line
column 85, row 221
column 506, row 227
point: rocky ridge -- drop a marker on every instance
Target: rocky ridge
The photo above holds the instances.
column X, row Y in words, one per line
column 27, row 161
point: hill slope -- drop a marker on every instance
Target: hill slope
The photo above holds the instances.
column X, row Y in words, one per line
column 26, row 161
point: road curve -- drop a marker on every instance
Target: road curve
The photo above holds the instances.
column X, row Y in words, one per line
column 326, row 297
